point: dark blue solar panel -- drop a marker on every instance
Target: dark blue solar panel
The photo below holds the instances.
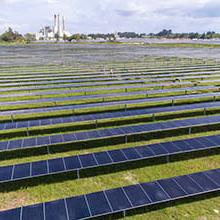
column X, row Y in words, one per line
column 81, row 136
column 116, row 131
column 188, row 185
column 93, row 134
column 203, row 181
column 117, row 155
column 11, row 214
column 45, row 122
column 136, row 195
column 103, row 158
column 118, row 199
column 22, row 124
column 158, row 149
column 43, row 141
column 195, row 144
column 56, row 121
column 72, row 163
column 87, row 160
column 214, row 176
column 205, row 142
column 131, row 153
column 183, row 145
column 14, row 144
column 39, row 168
column 55, row 139
column 34, row 212
column 155, row 192
column 105, row 133
column 34, row 123
column 172, row 188
column 21, row 171
column 171, row 147
column 68, row 137
column 5, row 173
column 216, row 139
column 67, row 120
column 98, row 203
column 145, row 151
column 3, row 125
column 56, row 165
column 29, row 142
column 3, row 145
column 55, row 210
column 77, row 208
column 10, row 126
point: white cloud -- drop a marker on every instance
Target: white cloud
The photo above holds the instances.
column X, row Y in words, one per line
column 110, row 15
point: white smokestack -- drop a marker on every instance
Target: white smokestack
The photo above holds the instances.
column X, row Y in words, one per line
column 64, row 24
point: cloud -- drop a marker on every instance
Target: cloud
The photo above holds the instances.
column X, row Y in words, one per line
column 110, row 15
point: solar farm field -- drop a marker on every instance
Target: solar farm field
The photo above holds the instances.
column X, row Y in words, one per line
column 108, row 132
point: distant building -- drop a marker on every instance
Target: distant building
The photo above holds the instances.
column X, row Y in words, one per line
column 57, row 32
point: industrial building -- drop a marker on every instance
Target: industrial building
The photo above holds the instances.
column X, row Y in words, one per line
column 57, row 32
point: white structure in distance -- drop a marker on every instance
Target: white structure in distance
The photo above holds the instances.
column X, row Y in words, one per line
column 57, row 32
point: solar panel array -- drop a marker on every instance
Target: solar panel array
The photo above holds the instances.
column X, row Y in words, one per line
column 121, row 199
column 117, row 86
column 107, row 133
column 100, row 116
column 106, row 158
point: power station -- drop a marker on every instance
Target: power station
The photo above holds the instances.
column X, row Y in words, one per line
column 57, row 32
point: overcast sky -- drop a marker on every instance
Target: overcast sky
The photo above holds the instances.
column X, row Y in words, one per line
column 89, row 16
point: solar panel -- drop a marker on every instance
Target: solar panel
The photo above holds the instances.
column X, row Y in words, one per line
column 118, row 199
column 77, row 207
column 188, row 185
column 87, row 160
column 172, row 188
column 6, row 173
column 103, row 158
column 11, row 214
column 56, row 210
column 34, row 212
column 95, row 160
column 204, row 182
column 136, row 195
column 21, row 170
column 155, row 192
column 117, row 155
column 56, row 165
column 72, row 163
column 39, row 168
column 98, row 203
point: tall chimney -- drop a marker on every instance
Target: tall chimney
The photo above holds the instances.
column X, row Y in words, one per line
column 55, row 24
column 59, row 24
column 63, row 24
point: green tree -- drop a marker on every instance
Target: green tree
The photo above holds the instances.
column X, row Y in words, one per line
column 29, row 37
column 12, row 36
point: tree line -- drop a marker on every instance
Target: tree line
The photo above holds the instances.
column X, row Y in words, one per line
column 13, row 36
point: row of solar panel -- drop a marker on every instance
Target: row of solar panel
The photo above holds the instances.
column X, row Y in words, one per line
column 106, row 75
column 113, row 103
column 107, row 133
column 120, row 199
column 97, row 96
column 100, row 116
column 88, row 90
column 168, row 70
column 108, row 80
column 109, row 77
column 31, row 88
column 107, row 158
